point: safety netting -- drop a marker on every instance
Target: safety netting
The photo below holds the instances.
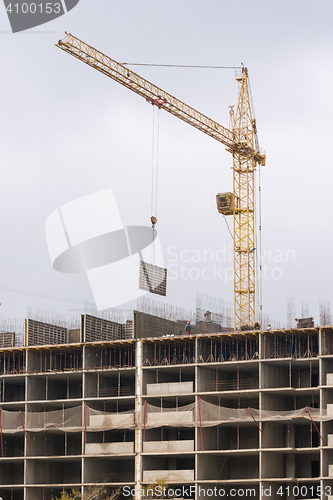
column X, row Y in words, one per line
column 67, row 419
column 73, row 419
column 202, row 413
column 209, row 415
column 11, row 421
column 96, row 420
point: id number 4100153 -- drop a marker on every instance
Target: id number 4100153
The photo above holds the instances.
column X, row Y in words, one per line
column 304, row 491
column 34, row 8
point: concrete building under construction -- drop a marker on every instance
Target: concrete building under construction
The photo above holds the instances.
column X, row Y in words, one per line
column 213, row 412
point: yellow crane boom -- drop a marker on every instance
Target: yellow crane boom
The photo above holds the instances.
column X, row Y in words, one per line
column 241, row 142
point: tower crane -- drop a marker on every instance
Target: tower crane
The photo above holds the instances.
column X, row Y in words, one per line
column 241, row 141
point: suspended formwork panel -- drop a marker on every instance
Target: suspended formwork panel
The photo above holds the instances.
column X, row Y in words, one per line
column 152, row 278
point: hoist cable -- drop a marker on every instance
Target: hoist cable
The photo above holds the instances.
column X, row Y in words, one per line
column 152, row 166
column 154, row 176
column 260, row 246
column 157, row 151
column 181, row 66
column 232, row 236
column 152, row 252
column 258, row 237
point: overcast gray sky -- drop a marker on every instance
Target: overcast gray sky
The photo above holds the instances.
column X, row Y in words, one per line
column 67, row 131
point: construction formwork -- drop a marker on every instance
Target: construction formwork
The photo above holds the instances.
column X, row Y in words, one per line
column 7, row 339
column 152, row 278
column 39, row 333
column 148, row 325
column 209, row 413
column 98, row 329
column 91, row 329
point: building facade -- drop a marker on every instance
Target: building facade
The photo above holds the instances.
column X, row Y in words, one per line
column 213, row 414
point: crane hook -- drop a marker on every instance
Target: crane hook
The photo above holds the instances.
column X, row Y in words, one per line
column 153, row 221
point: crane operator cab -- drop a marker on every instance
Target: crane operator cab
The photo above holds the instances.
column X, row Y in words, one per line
column 225, row 203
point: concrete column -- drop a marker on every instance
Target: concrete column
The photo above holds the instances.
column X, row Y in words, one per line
column 261, row 350
column 138, row 411
column 25, row 448
column 290, row 437
column 260, row 408
column 322, row 377
column 321, row 425
column 83, row 463
column 290, row 465
column 28, row 360
column 196, row 429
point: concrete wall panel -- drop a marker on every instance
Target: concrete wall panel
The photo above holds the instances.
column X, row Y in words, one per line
column 111, row 421
column 109, row 448
column 170, row 418
column 168, row 446
column 170, row 475
column 170, row 388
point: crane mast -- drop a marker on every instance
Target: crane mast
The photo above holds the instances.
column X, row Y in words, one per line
column 244, row 166
column 241, row 142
